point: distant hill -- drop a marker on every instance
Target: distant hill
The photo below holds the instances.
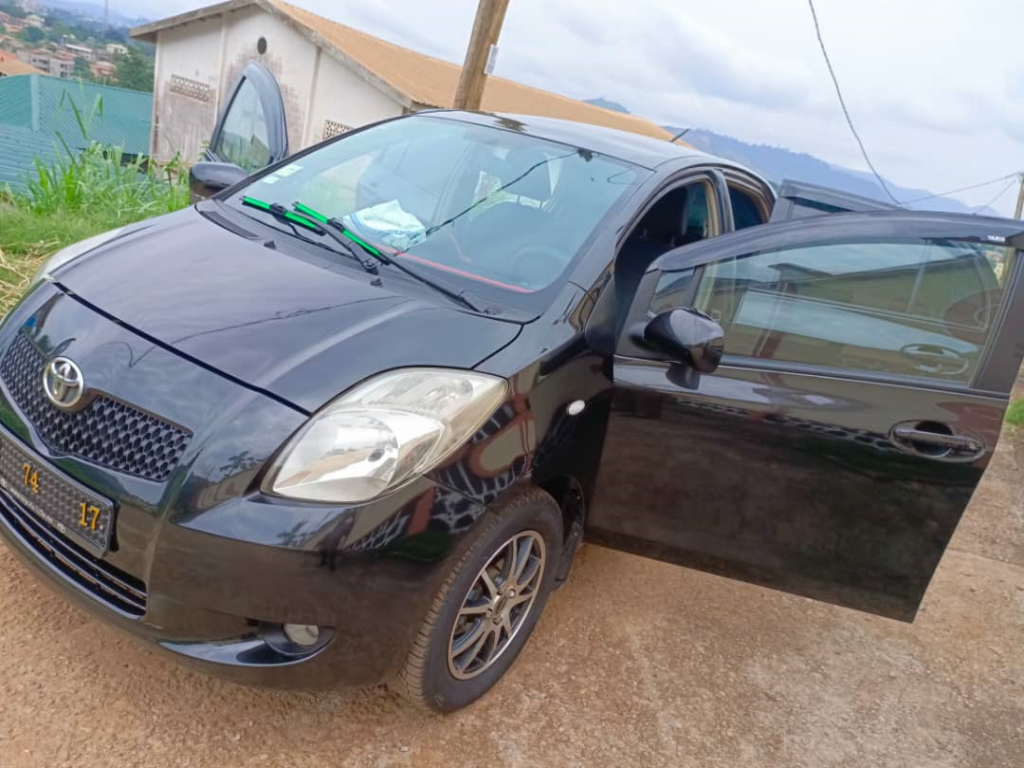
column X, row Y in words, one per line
column 92, row 11
column 614, row 106
column 777, row 163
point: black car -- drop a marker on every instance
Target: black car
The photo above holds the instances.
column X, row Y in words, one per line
column 349, row 420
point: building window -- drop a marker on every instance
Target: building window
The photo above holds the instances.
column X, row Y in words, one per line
column 333, row 128
column 192, row 89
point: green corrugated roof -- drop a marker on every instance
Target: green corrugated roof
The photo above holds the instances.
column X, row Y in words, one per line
column 34, row 109
column 18, row 148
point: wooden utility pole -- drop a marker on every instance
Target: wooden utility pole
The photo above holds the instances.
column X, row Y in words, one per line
column 1020, row 198
column 490, row 15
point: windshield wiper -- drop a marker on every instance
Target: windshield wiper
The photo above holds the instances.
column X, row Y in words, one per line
column 334, row 226
column 278, row 210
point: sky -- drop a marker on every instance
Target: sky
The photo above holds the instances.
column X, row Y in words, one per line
column 935, row 87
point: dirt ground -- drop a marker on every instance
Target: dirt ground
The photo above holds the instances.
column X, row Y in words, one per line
column 635, row 663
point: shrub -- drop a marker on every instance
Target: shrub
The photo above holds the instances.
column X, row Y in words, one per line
column 103, row 178
column 77, row 195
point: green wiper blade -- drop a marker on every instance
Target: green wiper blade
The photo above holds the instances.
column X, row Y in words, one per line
column 332, row 224
column 279, row 210
column 303, row 208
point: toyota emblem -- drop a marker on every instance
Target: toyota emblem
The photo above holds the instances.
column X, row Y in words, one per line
column 63, row 383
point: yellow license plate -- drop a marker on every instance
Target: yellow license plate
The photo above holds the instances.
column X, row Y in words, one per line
column 59, row 501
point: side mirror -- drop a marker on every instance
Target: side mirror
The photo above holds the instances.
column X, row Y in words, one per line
column 208, row 178
column 689, row 336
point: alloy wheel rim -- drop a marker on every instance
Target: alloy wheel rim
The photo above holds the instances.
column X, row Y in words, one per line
column 496, row 605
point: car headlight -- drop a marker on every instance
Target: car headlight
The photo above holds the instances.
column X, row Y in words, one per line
column 388, row 430
column 72, row 252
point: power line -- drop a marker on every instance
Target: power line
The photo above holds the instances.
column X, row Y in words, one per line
column 1002, row 192
column 963, row 189
column 864, row 153
column 842, row 103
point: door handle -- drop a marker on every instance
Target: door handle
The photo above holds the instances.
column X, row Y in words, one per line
column 936, row 440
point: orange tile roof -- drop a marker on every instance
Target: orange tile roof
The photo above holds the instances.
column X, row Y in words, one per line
column 421, row 80
column 10, row 65
column 432, row 82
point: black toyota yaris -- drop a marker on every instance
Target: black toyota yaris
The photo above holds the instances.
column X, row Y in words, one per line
column 349, row 420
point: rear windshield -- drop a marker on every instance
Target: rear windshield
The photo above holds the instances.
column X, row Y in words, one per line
column 495, row 211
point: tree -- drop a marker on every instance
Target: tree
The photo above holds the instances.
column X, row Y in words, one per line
column 134, row 71
column 82, row 69
column 32, row 34
column 13, row 9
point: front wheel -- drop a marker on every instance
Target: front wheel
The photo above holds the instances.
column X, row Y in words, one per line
column 487, row 607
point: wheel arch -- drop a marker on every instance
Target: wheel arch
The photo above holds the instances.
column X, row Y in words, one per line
column 568, row 493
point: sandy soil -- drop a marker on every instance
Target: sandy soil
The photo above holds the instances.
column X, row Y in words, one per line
column 634, row 663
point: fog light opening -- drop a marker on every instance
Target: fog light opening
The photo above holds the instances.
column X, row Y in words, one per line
column 303, row 635
column 296, row 640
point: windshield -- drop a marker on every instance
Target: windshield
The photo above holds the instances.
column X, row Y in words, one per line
column 491, row 211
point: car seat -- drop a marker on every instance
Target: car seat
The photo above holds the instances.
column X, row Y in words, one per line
column 660, row 230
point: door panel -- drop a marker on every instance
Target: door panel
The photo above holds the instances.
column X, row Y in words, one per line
column 787, row 480
column 252, row 131
column 815, row 459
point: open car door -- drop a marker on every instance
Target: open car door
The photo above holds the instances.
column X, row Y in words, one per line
column 800, row 200
column 252, row 131
column 868, row 360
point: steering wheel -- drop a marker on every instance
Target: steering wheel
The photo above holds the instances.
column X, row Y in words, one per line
column 538, row 259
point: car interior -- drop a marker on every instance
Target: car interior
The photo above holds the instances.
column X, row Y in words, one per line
column 681, row 217
column 544, row 207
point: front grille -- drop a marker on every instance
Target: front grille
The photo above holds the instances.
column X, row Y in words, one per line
column 106, row 432
column 97, row 578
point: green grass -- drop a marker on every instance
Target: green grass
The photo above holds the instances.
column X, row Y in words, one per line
column 82, row 193
column 27, row 238
column 1015, row 413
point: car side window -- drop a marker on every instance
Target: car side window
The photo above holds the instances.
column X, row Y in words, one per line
column 745, row 209
column 922, row 308
column 243, row 138
column 672, row 291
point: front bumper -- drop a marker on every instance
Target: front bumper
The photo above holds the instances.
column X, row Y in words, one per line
column 218, row 603
column 202, row 565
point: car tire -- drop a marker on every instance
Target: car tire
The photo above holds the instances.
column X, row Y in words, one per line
column 438, row 673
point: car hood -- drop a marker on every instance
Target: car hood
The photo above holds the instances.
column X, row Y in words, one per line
column 272, row 321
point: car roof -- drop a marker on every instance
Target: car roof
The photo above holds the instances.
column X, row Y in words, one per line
column 631, row 147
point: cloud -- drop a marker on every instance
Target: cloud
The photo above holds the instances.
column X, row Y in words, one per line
column 402, row 27
column 935, row 90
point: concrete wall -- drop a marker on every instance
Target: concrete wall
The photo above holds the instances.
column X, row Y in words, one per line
column 182, row 122
column 198, row 63
column 343, row 97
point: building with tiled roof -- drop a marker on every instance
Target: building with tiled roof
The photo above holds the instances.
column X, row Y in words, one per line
column 11, row 65
column 331, row 77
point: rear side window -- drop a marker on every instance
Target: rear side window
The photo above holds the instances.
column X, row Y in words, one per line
column 745, row 210
column 923, row 308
